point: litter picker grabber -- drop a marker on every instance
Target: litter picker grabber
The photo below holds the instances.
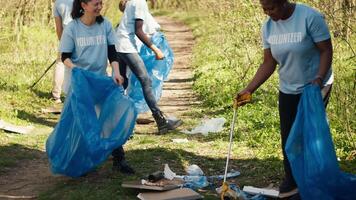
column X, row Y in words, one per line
column 44, row 73
column 226, row 191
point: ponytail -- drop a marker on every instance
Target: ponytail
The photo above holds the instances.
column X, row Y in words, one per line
column 78, row 11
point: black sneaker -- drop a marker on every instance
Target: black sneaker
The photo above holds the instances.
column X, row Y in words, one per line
column 287, row 189
column 164, row 124
column 123, row 167
column 173, row 123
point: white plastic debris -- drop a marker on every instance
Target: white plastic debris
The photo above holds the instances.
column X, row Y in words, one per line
column 194, row 170
column 168, row 173
column 180, row 140
column 213, row 125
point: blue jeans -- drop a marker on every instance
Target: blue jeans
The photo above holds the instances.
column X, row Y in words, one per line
column 134, row 61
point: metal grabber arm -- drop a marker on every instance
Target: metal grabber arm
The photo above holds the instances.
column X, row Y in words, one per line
column 239, row 101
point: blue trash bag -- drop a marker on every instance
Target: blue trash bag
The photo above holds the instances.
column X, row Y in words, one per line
column 96, row 118
column 311, row 153
column 158, row 71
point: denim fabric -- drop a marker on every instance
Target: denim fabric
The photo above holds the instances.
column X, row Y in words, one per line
column 137, row 66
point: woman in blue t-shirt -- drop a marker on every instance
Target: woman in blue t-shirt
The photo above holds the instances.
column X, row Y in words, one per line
column 88, row 42
column 296, row 38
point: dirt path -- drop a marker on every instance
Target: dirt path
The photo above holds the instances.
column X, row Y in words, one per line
column 33, row 176
column 177, row 96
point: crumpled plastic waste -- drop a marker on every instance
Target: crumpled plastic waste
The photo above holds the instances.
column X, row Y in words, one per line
column 207, row 126
column 195, row 177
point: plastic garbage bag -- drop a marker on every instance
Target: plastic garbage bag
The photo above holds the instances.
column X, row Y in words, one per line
column 311, row 153
column 96, row 118
column 158, row 71
column 213, row 125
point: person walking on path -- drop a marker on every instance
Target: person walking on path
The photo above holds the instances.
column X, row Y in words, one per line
column 132, row 22
column 61, row 12
column 297, row 38
column 89, row 42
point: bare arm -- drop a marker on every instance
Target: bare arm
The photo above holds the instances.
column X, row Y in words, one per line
column 59, row 27
column 143, row 37
column 326, row 54
column 68, row 63
column 265, row 70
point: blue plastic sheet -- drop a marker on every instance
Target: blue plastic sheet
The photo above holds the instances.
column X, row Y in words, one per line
column 158, row 71
column 96, row 118
column 311, row 153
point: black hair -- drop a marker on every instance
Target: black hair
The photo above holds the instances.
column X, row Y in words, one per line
column 77, row 10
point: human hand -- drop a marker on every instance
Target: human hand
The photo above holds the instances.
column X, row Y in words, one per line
column 159, row 54
column 118, row 79
column 242, row 98
column 157, row 51
column 318, row 81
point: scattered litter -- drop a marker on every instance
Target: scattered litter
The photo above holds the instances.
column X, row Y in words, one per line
column 168, row 173
column 234, row 192
column 213, row 125
column 194, row 170
column 156, row 176
column 181, row 193
column 263, row 191
column 15, row 129
column 180, row 140
column 162, row 185
column 231, row 174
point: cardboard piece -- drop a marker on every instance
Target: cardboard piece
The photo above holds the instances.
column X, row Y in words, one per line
column 262, row 191
column 15, row 129
column 176, row 194
column 162, row 185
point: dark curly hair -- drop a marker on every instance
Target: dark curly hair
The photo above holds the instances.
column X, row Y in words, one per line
column 77, row 10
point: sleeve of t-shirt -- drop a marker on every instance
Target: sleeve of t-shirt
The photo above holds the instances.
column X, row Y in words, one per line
column 317, row 28
column 265, row 43
column 55, row 11
column 67, row 40
column 110, row 34
column 140, row 9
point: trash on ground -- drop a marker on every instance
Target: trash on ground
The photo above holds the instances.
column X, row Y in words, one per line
column 234, row 192
column 194, row 170
column 207, row 126
column 263, row 191
column 15, row 129
column 181, row 193
column 180, row 140
column 231, row 174
column 161, row 185
column 190, row 181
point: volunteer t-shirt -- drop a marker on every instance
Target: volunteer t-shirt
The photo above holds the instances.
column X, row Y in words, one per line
column 62, row 9
column 88, row 44
column 134, row 9
column 292, row 43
